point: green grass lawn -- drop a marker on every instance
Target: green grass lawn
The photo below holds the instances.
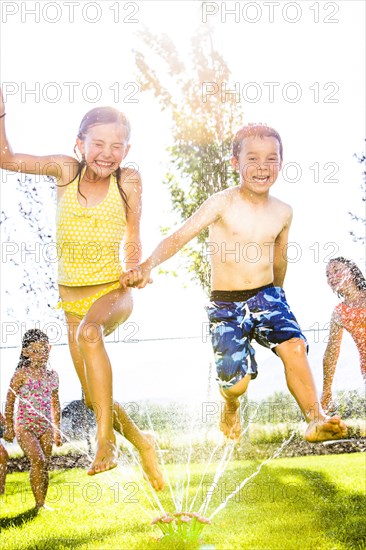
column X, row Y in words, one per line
column 294, row 503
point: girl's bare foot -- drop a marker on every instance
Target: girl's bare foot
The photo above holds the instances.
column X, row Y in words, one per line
column 230, row 418
column 149, row 462
column 105, row 458
column 324, row 429
column 43, row 508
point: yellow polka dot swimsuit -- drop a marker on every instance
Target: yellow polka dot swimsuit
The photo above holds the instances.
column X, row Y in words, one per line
column 88, row 243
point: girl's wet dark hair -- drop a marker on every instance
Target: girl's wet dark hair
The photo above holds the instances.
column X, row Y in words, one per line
column 103, row 115
column 253, row 131
column 31, row 336
column 357, row 275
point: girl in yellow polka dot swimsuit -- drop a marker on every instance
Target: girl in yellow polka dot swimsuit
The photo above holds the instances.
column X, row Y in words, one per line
column 99, row 207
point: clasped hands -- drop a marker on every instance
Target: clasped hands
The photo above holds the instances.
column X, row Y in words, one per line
column 137, row 277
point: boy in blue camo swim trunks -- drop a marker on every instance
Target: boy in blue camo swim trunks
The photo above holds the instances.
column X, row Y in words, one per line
column 236, row 318
column 248, row 238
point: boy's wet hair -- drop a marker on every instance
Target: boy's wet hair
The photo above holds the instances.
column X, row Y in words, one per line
column 357, row 275
column 32, row 335
column 253, row 131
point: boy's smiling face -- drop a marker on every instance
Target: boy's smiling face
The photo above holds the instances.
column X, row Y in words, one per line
column 259, row 163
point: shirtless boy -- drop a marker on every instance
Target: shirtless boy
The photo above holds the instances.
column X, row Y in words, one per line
column 247, row 299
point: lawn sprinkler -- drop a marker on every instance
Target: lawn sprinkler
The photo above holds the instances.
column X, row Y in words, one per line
column 181, row 526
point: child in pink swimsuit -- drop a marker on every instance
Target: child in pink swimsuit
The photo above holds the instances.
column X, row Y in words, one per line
column 346, row 279
column 38, row 416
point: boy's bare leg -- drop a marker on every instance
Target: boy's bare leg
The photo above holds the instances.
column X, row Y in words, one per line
column 301, row 384
column 230, row 414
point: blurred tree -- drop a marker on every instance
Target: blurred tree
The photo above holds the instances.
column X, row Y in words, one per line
column 204, row 115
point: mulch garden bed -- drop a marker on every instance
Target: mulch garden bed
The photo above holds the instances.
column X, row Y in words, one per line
column 295, row 448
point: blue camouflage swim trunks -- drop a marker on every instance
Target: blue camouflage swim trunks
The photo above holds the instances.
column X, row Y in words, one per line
column 237, row 317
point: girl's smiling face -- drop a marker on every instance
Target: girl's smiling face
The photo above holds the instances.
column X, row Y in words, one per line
column 104, row 148
column 37, row 352
column 339, row 276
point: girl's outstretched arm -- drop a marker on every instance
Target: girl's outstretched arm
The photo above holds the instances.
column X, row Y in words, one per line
column 62, row 167
column 330, row 359
column 15, row 384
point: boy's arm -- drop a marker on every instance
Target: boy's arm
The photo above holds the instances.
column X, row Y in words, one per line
column 133, row 187
column 15, row 384
column 280, row 253
column 208, row 213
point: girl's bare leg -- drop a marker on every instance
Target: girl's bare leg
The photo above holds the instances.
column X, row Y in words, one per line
column 3, row 467
column 102, row 319
column 46, row 442
column 39, row 461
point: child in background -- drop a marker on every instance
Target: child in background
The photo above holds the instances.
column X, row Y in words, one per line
column 247, row 298
column 99, row 208
column 3, row 457
column 347, row 280
column 38, row 415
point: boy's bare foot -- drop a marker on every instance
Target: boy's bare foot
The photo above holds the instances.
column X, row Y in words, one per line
column 230, row 418
column 330, row 427
column 149, row 462
column 105, row 458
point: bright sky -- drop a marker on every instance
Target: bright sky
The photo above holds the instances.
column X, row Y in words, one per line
column 298, row 66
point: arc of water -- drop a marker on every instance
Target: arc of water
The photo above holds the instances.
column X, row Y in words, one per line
column 156, row 498
column 189, row 462
column 220, row 470
column 225, row 459
column 222, row 466
column 162, row 459
column 119, row 470
column 204, row 474
column 179, row 488
column 254, row 474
